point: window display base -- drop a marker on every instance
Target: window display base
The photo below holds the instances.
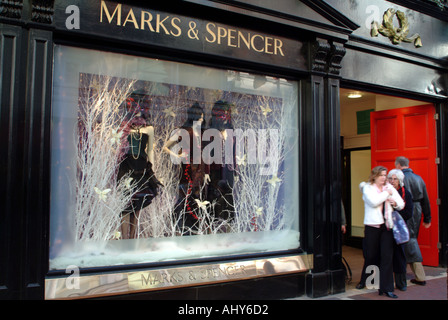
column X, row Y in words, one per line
column 76, row 286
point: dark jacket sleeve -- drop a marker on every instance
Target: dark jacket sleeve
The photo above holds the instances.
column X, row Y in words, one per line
column 415, row 184
column 408, row 209
column 426, row 209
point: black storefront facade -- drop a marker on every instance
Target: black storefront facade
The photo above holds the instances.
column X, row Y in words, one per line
column 278, row 66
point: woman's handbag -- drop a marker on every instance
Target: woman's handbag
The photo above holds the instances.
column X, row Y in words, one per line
column 400, row 229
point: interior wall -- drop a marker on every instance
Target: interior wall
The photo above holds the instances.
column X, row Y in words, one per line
column 360, row 166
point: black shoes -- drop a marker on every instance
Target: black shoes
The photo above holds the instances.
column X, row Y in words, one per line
column 360, row 286
column 388, row 294
column 420, row 283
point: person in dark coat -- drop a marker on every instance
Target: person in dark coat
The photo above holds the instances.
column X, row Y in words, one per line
column 416, row 186
column 396, row 178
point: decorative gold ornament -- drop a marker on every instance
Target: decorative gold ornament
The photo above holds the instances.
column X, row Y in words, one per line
column 396, row 35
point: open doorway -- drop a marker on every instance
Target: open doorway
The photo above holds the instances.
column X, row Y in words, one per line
column 358, row 157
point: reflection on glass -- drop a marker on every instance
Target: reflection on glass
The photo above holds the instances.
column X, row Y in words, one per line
column 155, row 160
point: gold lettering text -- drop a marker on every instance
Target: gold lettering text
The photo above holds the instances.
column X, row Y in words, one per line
column 230, row 270
column 109, row 17
column 246, row 41
column 159, row 24
column 252, row 42
column 145, row 281
column 222, row 32
column 179, row 32
column 210, row 31
column 146, row 18
column 172, row 26
column 278, row 46
column 267, row 45
column 231, row 37
column 133, row 20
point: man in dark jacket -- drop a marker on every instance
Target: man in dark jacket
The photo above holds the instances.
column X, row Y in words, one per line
column 415, row 184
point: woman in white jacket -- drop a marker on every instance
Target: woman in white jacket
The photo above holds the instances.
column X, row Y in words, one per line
column 380, row 199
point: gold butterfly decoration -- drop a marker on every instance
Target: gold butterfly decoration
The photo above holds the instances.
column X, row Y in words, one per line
column 102, row 194
column 265, row 110
column 202, row 204
column 169, row 112
column 117, row 235
column 241, row 161
column 116, row 137
column 274, row 180
column 127, row 182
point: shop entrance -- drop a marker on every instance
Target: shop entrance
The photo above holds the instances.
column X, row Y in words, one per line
column 399, row 127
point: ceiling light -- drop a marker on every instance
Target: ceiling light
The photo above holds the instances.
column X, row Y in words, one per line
column 354, row 95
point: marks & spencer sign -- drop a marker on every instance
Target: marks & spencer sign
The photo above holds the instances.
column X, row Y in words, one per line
column 145, row 26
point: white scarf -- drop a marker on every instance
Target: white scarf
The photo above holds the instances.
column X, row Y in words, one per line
column 388, row 210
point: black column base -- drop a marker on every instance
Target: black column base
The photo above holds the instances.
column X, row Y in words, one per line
column 325, row 283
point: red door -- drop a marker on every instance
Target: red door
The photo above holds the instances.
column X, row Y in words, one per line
column 411, row 132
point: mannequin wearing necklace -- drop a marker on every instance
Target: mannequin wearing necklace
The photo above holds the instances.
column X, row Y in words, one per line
column 194, row 175
column 138, row 162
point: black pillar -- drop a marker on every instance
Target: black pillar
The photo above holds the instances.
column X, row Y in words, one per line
column 442, row 150
column 25, row 95
column 11, row 144
column 322, row 179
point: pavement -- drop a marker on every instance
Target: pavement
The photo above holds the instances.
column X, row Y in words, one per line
column 435, row 288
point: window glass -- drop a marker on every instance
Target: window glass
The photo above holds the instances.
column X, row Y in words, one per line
column 155, row 161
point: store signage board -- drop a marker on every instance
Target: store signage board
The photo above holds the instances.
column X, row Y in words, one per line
column 104, row 284
column 123, row 22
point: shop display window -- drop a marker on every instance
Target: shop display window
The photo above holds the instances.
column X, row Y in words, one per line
column 156, row 161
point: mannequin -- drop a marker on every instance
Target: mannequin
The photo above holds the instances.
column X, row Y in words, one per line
column 222, row 174
column 194, row 176
column 138, row 161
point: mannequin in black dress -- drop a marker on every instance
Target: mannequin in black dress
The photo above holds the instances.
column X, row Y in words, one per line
column 138, row 162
